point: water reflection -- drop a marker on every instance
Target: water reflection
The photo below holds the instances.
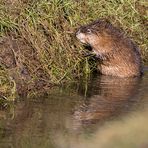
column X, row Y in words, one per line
column 70, row 119
column 107, row 97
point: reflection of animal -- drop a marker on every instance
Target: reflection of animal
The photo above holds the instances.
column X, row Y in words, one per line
column 118, row 55
column 108, row 97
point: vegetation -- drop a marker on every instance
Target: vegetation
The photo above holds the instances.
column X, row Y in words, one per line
column 7, row 86
column 39, row 37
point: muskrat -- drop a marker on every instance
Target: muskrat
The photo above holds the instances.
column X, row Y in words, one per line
column 117, row 54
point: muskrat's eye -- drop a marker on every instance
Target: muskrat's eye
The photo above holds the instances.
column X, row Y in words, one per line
column 88, row 31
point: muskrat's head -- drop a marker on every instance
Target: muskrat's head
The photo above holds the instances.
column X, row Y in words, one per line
column 99, row 34
column 91, row 33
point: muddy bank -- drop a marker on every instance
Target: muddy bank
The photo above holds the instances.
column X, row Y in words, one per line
column 22, row 65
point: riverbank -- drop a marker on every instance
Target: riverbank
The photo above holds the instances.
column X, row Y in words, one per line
column 38, row 45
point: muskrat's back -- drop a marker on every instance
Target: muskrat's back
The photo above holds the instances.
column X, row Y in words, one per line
column 117, row 54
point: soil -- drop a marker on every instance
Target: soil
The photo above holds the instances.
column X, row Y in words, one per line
column 22, row 64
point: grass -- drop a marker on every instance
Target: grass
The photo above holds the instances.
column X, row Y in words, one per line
column 7, row 86
column 50, row 52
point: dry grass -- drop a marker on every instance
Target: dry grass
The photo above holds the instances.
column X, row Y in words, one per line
column 7, row 86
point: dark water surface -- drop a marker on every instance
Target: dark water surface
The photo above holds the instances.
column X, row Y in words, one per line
column 105, row 113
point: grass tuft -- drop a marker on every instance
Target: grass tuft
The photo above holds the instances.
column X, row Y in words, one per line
column 7, row 86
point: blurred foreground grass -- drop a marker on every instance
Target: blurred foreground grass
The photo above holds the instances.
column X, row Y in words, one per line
column 130, row 132
column 39, row 35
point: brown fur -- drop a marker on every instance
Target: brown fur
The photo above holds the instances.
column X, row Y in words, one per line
column 117, row 54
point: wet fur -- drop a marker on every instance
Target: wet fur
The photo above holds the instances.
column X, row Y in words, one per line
column 117, row 54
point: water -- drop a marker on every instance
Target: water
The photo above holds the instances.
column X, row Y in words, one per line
column 104, row 112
